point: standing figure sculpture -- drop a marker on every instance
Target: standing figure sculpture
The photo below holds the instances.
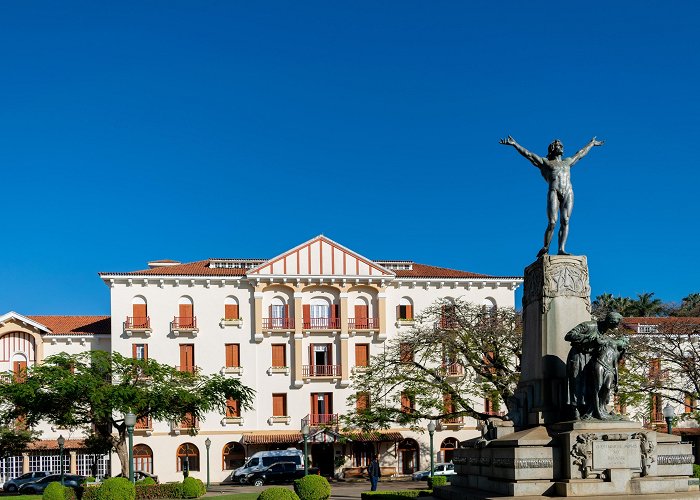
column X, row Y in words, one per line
column 605, row 375
column 560, row 198
column 586, row 339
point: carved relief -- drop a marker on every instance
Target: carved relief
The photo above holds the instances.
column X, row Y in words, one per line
column 646, row 446
column 524, row 463
column 582, row 452
column 556, row 276
column 675, row 459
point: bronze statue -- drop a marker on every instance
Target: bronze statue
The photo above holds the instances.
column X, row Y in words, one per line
column 560, row 198
column 605, row 376
column 588, row 345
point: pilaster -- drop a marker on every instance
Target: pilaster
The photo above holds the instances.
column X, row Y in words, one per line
column 381, row 305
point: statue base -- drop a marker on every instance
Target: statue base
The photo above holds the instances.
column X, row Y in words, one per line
column 577, row 458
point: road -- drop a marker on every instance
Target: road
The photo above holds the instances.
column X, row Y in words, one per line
column 339, row 489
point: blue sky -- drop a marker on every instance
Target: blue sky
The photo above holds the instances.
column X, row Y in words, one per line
column 132, row 131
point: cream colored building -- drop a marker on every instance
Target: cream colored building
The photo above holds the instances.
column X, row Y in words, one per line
column 293, row 328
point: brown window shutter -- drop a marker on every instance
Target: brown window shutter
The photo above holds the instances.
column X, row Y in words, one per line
column 186, row 310
column 409, row 312
column 133, row 350
column 314, row 404
column 231, row 311
column 312, row 360
column 361, row 354
column 183, row 356
column 139, row 311
column 232, row 408
column 279, row 404
column 269, row 311
column 306, row 310
column 286, row 310
column 362, row 401
column 145, row 351
column 236, row 355
column 278, row 355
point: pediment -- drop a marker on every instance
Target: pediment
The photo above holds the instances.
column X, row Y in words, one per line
column 21, row 322
column 320, row 256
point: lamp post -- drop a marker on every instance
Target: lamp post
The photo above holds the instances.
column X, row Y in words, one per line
column 431, row 431
column 305, row 434
column 130, row 422
column 61, row 442
column 669, row 412
column 207, row 443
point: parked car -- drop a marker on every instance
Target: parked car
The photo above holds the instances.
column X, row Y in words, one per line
column 280, row 472
column 13, row 484
column 263, row 459
column 38, row 487
column 141, row 474
column 440, row 470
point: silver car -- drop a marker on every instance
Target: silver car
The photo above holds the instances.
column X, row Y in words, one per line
column 12, row 486
column 440, row 470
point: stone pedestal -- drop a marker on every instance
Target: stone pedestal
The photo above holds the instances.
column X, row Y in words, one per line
column 556, row 298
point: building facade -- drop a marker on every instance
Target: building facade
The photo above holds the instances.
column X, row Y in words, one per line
column 294, row 328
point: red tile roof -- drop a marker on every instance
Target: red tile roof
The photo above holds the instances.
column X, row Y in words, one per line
column 202, row 268
column 51, row 444
column 73, row 325
column 662, row 320
column 295, row 437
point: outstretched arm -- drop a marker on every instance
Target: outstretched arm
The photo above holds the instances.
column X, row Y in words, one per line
column 584, row 151
column 534, row 159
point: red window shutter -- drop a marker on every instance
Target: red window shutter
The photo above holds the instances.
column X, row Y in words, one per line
column 314, row 404
column 133, row 350
column 362, row 401
column 335, row 312
column 232, row 408
column 312, row 361
column 279, row 404
column 229, row 355
column 186, row 310
column 269, row 311
column 361, row 354
column 145, row 351
column 306, row 310
column 409, row 312
column 286, row 310
column 278, row 355
column 139, row 311
column 231, row 311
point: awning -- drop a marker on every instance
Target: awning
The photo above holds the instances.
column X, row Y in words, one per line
column 374, row 436
column 321, row 436
column 271, row 438
column 52, row 444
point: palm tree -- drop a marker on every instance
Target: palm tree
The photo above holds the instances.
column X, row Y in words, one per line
column 646, row 305
column 603, row 304
column 623, row 305
column 690, row 305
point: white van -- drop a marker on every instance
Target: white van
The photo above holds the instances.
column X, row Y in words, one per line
column 262, row 459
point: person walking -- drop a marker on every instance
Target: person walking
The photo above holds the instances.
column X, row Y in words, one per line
column 374, row 472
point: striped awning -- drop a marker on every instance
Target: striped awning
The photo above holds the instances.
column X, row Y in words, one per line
column 374, row 436
column 272, row 438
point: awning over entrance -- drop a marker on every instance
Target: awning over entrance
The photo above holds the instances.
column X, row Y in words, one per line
column 271, row 438
column 374, row 436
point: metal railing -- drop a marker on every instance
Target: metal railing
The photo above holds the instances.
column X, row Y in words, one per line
column 453, row 369
column 321, row 323
column 315, row 420
column 320, row 370
column 137, row 323
column 184, row 323
column 188, row 369
column 363, row 323
column 278, row 323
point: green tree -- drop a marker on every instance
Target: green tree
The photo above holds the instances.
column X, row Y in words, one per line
column 603, row 304
column 455, row 353
column 646, row 305
column 97, row 388
column 690, row 306
column 14, row 439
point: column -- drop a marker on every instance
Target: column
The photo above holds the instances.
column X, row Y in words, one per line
column 25, row 462
column 344, row 364
column 258, row 311
column 381, row 302
column 298, row 339
column 73, row 462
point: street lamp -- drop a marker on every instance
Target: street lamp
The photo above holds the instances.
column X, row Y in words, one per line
column 61, row 442
column 431, row 431
column 207, row 443
column 305, row 434
column 669, row 412
column 130, row 422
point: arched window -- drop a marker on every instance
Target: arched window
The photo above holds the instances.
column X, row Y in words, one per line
column 279, row 312
column 408, row 456
column 185, row 313
column 362, row 454
column 404, row 311
column 489, row 304
column 233, row 456
column 448, row 316
column 231, row 308
column 447, row 449
column 189, row 452
column 143, row 458
column 139, row 311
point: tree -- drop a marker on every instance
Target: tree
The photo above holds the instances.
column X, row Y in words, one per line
column 14, row 439
column 665, row 363
column 645, row 305
column 690, row 306
column 457, row 352
column 97, row 388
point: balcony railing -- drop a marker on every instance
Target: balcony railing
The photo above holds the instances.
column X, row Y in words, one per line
column 184, row 323
column 321, row 323
column 453, row 370
column 316, row 420
column 144, row 424
column 278, row 323
column 320, row 370
column 188, row 369
column 448, row 323
column 137, row 323
column 453, row 420
column 363, row 323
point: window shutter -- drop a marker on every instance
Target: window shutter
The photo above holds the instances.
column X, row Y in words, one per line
column 139, row 312
column 185, row 310
column 145, row 351
column 361, row 354
column 278, row 355
column 278, row 405
column 133, row 350
column 312, row 360
column 269, row 311
column 330, row 354
column 329, row 402
column 235, row 355
column 398, row 312
column 314, row 404
column 409, row 312
column 231, row 311
column 306, row 310
column 286, row 311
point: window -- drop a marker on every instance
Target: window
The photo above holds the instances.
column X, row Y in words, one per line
column 656, row 412
column 362, row 401
column 279, row 356
column 230, row 308
column 143, row 458
column 139, row 351
column 362, row 453
column 361, row 354
column 279, row 405
column 321, row 315
column 187, row 358
column 233, row 408
column 322, row 409
column 140, row 313
column 233, row 355
column 654, row 368
column 404, row 311
column 406, row 352
column 186, row 313
column 233, row 456
column 321, row 357
column 187, row 456
column 447, row 449
column 407, row 402
column 19, row 369
column 689, row 403
column 448, row 317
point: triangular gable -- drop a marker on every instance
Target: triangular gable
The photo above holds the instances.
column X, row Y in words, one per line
column 320, row 256
column 325, row 436
column 18, row 318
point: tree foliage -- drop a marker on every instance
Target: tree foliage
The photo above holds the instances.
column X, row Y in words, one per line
column 456, row 355
column 14, row 439
column 95, row 389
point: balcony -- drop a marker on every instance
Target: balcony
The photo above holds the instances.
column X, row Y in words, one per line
column 363, row 323
column 188, row 369
column 137, row 324
column 184, row 325
column 144, row 425
column 321, row 323
column 278, row 323
column 320, row 371
column 453, row 370
column 320, row 420
column 447, row 323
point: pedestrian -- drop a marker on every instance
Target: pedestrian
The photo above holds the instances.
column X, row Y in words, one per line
column 374, row 472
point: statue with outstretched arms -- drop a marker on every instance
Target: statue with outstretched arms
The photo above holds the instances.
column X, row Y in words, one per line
column 560, row 198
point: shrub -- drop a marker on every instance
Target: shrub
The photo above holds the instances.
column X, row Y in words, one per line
column 312, row 487
column 190, row 488
column 89, row 479
column 696, row 470
column 151, row 491
column 277, row 493
column 116, row 488
column 437, row 481
column 145, row 481
column 89, row 492
column 394, row 495
column 202, row 488
column 54, row 491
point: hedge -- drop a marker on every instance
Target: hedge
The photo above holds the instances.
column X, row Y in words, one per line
column 312, row 487
column 696, row 470
column 55, row 491
column 395, row 495
column 277, row 493
column 116, row 488
column 437, row 481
